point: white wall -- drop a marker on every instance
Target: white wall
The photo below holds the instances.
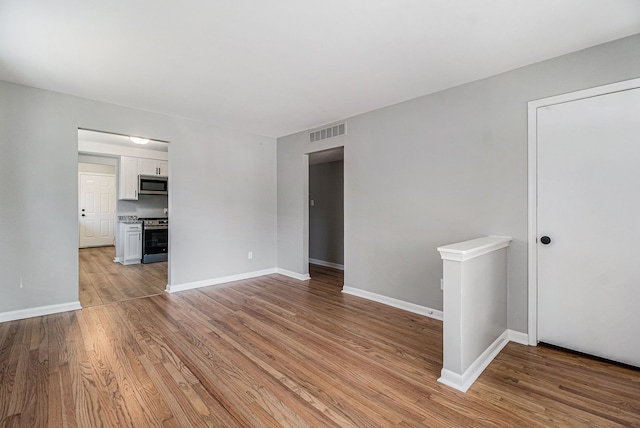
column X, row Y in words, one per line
column 93, row 168
column 222, row 187
column 98, row 160
column 88, row 148
column 293, row 190
column 145, row 206
column 439, row 169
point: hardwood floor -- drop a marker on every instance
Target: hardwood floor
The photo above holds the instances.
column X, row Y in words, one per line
column 103, row 281
column 273, row 351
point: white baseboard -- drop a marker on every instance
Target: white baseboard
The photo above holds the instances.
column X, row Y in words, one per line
column 294, row 275
column 121, row 260
column 518, row 337
column 390, row 301
column 463, row 381
column 39, row 311
column 327, row 264
column 215, row 281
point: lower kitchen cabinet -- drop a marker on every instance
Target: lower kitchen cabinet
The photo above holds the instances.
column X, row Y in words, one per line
column 131, row 238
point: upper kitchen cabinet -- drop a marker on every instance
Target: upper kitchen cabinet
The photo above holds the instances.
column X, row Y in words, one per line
column 128, row 178
column 131, row 168
column 153, row 167
column 163, row 168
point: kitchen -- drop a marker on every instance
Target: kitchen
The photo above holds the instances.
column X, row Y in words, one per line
column 122, row 217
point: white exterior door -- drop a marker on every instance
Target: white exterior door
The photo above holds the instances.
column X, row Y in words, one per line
column 96, row 196
column 588, row 202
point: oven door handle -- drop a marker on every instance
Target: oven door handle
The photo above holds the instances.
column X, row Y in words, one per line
column 156, row 228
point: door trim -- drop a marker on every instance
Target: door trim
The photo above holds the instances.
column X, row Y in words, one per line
column 532, row 265
column 306, row 201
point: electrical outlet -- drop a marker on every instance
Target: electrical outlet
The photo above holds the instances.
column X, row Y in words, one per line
column 313, row 203
column 250, row 255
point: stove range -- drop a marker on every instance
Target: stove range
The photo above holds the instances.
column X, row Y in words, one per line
column 155, row 239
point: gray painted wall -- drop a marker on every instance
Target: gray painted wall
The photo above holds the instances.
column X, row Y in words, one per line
column 326, row 217
column 435, row 170
column 222, row 200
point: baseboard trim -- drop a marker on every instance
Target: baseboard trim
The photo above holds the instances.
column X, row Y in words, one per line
column 222, row 280
column 215, row 281
column 294, row 275
column 390, row 301
column 326, row 264
column 463, row 381
column 518, row 337
column 39, row 311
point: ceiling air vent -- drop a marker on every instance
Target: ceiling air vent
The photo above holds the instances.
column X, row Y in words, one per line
column 330, row 132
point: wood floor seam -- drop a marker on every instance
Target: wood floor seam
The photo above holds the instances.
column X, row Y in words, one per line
column 277, row 352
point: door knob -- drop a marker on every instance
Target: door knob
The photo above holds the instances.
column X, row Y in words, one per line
column 545, row 240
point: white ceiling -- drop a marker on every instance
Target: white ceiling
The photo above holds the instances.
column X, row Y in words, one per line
column 281, row 66
column 88, row 136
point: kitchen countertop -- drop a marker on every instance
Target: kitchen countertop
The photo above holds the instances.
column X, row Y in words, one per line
column 128, row 219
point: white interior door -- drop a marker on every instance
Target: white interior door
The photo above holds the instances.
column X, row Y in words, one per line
column 96, row 195
column 588, row 190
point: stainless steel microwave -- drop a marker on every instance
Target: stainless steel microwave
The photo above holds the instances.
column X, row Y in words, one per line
column 152, row 185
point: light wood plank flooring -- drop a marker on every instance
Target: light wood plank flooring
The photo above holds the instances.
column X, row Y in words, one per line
column 103, row 281
column 274, row 351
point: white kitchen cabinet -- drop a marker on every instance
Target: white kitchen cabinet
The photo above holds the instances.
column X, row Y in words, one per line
column 131, row 238
column 128, row 178
column 163, row 168
column 153, row 167
column 147, row 167
column 131, row 167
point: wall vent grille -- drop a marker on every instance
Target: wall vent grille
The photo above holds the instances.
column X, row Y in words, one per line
column 329, row 132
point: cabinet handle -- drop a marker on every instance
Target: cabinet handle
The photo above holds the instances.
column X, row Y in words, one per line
column 135, row 193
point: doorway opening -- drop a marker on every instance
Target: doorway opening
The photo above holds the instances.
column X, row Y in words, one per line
column 326, row 209
column 111, row 214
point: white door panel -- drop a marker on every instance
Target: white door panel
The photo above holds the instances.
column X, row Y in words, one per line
column 589, row 205
column 96, row 195
column 89, row 228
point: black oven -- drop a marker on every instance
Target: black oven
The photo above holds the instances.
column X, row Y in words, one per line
column 155, row 240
